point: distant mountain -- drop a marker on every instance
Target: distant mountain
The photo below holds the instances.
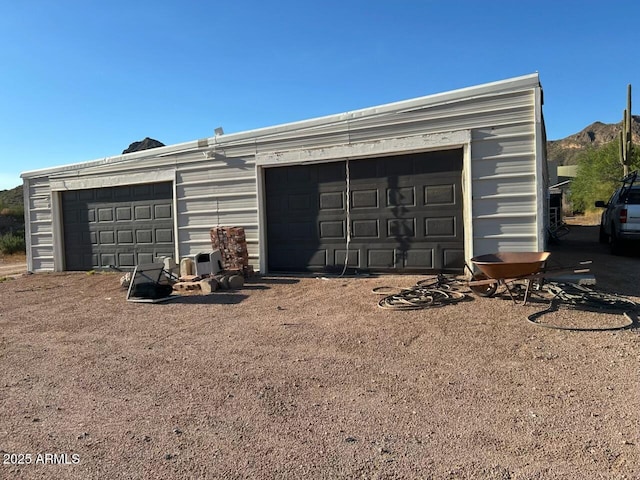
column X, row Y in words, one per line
column 566, row 150
column 12, row 198
column 145, row 144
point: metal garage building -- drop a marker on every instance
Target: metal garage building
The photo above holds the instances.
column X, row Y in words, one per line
column 417, row 185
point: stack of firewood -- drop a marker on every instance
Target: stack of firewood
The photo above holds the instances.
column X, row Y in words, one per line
column 232, row 243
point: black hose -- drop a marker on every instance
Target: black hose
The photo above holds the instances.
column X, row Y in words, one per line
column 426, row 293
column 579, row 297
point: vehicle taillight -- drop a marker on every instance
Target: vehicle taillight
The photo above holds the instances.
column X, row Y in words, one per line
column 623, row 215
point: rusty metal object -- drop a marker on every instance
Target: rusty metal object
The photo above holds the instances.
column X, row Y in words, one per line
column 480, row 287
column 503, row 267
column 506, row 265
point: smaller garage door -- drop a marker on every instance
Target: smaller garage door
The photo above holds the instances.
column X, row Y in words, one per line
column 122, row 226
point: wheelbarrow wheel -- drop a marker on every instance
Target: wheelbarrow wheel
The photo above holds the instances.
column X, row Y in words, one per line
column 486, row 290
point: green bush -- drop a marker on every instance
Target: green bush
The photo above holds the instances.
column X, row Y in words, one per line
column 599, row 174
column 11, row 243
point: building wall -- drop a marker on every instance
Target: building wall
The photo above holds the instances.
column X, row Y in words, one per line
column 38, row 224
column 217, row 181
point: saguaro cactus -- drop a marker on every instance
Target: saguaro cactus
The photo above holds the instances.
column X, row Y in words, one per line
column 626, row 145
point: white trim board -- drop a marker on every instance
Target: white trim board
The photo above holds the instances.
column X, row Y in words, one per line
column 390, row 146
column 113, row 180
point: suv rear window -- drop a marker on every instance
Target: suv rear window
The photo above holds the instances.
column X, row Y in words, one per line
column 633, row 197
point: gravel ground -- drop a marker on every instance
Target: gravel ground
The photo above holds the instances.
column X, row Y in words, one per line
column 296, row 377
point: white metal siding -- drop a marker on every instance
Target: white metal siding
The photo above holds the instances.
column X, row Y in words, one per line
column 217, row 192
column 216, row 178
column 503, row 164
column 39, row 224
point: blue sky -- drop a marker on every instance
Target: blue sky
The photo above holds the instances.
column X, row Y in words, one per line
column 81, row 80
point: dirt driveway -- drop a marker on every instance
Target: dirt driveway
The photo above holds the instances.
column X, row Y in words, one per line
column 308, row 378
column 12, row 265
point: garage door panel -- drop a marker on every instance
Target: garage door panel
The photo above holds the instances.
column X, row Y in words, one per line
column 439, row 195
column 364, row 199
column 440, row 227
column 365, row 229
column 126, row 260
column 453, row 257
column 419, row 258
column 125, row 237
column 121, row 226
column 317, row 258
column 123, row 214
column 164, row 235
column 405, row 211
column 105, row 215
column 404, row 196
column 107, row 237
column 142, row 212
column 339, row 256
column 144, row 236
column 107, row 259
column 331, row 201
column 161, row 211
column 332, row 229
column 401, row 227
column 147, row 257
column 383, row 258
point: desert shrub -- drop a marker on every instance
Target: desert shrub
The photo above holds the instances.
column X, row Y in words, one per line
column 11, row 243
column 15, row 212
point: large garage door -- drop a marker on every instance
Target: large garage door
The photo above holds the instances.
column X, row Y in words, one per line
column 405, row 211
column 121, row 226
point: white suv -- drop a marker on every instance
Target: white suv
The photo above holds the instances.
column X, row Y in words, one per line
column 620, row 221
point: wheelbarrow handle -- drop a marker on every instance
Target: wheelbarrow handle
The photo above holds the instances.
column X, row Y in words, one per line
column 488, row 281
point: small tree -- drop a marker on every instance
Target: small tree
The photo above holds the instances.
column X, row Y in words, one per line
column 598, row 175
column 598, row 170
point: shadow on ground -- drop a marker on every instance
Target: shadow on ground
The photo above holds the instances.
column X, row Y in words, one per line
column 219, row 298
column 614, row 274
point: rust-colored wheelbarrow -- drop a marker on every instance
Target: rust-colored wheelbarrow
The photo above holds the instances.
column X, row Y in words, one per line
column 502, row 268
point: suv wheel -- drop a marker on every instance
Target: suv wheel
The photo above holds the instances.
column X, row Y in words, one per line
column 603, row 238
column 615, row 243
